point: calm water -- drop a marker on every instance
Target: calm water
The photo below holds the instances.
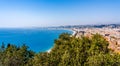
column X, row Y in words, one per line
column 38, row 40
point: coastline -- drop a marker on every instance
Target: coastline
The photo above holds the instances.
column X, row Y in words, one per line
column 48, row 51
column 41, row 43
column 73, row 32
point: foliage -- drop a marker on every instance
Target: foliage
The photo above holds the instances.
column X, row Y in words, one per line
column 67, row 51
column 15, row 56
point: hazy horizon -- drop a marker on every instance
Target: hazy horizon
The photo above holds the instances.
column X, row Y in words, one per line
column 45, row 13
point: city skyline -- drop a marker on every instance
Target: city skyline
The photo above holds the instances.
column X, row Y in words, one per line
column 43, row 13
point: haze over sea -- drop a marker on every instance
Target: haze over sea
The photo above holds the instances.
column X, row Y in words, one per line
column 38, row 40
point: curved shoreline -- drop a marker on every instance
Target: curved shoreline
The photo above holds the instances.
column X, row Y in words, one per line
column 49, row 50
column 73, row 33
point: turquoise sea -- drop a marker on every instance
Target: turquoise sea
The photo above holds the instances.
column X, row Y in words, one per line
column 38, row 40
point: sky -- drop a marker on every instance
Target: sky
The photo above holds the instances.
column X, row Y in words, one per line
column 44, row 13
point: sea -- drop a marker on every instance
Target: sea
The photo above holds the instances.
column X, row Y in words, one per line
column 37, row 39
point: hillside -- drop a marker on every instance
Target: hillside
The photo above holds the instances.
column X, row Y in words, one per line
column 67, row 51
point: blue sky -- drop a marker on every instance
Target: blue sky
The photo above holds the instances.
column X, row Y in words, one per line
column 42, row 13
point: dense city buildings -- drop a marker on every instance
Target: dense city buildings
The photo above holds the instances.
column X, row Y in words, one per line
column 112, row 35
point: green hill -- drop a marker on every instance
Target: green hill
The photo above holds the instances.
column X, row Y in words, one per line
column 67, row 51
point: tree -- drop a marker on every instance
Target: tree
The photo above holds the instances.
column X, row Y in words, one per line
column 67, row 51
